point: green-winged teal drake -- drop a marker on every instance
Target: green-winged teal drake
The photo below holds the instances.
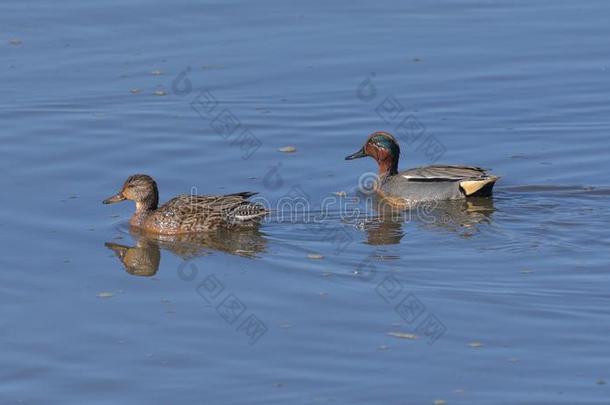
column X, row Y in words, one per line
column 186, row 213
column 438, row 182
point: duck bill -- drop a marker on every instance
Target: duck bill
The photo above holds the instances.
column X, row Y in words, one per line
column 360, row 154
column 118, row 197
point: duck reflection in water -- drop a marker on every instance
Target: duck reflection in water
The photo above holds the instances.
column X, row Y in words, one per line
column 143, row 259
column 461, row 217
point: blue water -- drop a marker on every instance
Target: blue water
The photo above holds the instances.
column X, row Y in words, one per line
column 501, row 301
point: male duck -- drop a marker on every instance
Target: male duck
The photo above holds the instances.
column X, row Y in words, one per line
column 440, row 182
column 185, row 213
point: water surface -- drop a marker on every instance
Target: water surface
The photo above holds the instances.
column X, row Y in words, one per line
column 512, row 293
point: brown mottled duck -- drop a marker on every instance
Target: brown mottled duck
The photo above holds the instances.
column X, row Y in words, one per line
column 186, row 213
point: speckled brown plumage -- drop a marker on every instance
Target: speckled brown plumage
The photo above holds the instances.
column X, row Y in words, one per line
column 186, row 213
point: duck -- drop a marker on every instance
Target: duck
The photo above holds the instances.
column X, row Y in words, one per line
column 429, row 183
column 186, row 213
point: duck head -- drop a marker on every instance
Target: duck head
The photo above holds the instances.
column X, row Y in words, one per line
column 382, row 147
column 140, row 188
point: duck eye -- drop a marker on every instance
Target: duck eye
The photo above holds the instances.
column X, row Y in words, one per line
column 378, row 141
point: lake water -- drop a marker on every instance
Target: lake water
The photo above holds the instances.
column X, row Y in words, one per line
column 502, row 301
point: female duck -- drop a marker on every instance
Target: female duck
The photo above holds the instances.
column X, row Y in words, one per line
column 185, row 213
column 422, row 183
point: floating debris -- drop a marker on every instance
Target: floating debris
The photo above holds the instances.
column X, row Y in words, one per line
column 526, row 271
column 160, row 92
column 601, row 382
column 15, row 41
column 475, row 344
column 340, row 193
column 402, row 335
column 315, row 256
column 439, row 402
column 135, row 90
column 157, row 72
column 105, row 294
column 383, row 348
column 287, row 149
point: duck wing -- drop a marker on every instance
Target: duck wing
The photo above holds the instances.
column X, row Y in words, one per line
column 444, row 173
column 203, row 212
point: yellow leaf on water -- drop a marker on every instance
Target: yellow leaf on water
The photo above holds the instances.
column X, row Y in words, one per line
column 288, row 149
